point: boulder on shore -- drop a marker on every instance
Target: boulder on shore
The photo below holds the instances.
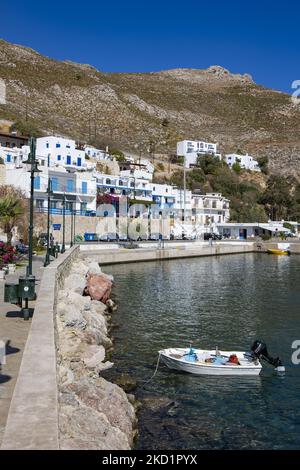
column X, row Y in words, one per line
column 98, row 287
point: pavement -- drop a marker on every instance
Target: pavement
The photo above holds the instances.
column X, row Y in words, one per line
column 14, row 330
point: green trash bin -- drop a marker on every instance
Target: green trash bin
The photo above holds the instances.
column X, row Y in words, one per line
column 27, row 287
column 11, row 293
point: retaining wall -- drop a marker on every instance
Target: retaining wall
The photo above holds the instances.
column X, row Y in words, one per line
column 33, row 415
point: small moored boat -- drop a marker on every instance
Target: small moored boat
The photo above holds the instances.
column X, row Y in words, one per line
column 275, row 251
column 215, row 362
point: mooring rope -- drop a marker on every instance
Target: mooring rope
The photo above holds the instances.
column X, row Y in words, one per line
column 153, row 375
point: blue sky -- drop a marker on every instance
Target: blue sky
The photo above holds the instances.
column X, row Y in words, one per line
column 260, row 38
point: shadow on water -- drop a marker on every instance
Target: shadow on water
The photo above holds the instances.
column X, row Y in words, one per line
column 228, row 301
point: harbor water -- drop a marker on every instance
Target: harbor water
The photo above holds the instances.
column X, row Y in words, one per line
column 226, row 301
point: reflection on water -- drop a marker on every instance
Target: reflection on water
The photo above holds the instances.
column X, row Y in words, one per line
column 228, row 301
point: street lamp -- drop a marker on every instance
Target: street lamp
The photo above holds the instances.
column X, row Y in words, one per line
column 50, row 193
column 31, row 161
column 134, row 193
column 63, row 248
column 74, row 224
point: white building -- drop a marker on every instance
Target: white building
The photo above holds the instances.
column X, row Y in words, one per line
column 79, row 189
column 93, row 153
column 55, row 151
column 245, row 161
column 210, row 209
column 192, row 149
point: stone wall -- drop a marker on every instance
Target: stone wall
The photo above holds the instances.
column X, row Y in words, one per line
column 93, row 413
column 60, row 401
column 33, row 415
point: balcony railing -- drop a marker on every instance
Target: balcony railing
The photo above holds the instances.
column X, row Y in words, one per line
column 59, row 211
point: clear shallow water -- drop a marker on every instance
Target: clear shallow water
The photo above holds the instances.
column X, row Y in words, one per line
column 228, row 301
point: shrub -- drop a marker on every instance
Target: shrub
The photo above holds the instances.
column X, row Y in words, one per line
column 7, row 254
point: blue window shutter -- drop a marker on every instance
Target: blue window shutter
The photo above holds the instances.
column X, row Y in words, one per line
column 58, row 157
column 84, row 187
column 8, row 158
column 37, row 182
column 68, row 160
column 54, row 182
column 78, row 161
column 47, row 145
column 69, row 186
column 57, row 146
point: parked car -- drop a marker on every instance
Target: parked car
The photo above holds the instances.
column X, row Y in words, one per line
column 213, row 236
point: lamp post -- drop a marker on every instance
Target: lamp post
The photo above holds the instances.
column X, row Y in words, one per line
column 134, row 194
column 63, row 247
column 49, row 192
column 74, row 223
column 33, row 169
column 71, row 240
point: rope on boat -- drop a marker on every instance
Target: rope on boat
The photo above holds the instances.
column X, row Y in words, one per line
column 152, row 376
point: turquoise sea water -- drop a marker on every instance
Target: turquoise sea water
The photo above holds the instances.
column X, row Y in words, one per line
column 228, row 301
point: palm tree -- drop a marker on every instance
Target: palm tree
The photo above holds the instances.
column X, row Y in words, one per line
column 11, row 210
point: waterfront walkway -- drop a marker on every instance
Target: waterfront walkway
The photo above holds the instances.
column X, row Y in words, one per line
column 15, row 330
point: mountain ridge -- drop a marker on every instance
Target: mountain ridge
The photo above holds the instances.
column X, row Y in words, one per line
column 148, row 112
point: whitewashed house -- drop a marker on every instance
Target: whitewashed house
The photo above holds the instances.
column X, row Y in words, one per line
column 210, row 209
column 79, row 189
column 52, row 151
column 192, row 149
column 245, row 161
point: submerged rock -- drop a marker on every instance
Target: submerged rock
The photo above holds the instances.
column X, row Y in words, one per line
column 127, row 383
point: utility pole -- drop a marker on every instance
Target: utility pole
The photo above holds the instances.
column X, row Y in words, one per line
column 49, row 192
column 184, row 191
column 63, row 247
column 33, row 169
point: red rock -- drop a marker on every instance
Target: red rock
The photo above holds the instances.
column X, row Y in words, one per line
column 98, row 287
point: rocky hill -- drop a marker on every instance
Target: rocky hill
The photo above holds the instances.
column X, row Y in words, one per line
column 148, row 112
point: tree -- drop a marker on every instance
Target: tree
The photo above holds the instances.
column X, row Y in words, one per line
column 277, row 197
column 11, row 210
column 210, row 164
column 236, row 167
column 263, row 164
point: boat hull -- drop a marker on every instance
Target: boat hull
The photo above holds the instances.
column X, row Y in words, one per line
column 180, row 363
column 274, row 251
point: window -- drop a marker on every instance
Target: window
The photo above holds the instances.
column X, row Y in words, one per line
column 54, row 182
column 78, row 161
column 39, row 203
column 57, row 145
column 84, row 187
column 68, row 159
column 53, row 204
column 37, row 182
column 70, row 186
column 47, row 145
column 8, row 158
column 68, row 146
column 108, row 181
column 121, row 183
column 132, row 184
column 83, row 206
column 58, row 157
column 69, row 206
column 214, row 204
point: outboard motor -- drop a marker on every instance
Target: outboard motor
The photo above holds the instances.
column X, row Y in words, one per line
column 259, row 351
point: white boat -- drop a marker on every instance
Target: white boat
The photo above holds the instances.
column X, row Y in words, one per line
column 214, row 362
